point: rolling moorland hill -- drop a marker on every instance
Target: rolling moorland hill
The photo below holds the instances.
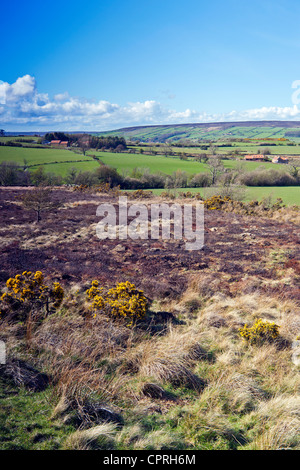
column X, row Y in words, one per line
column 209, row 131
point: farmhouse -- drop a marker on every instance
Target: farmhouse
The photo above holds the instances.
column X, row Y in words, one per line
column 59, row 143
column 255, row 158
column 280, row 159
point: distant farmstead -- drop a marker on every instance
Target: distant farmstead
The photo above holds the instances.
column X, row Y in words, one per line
column 280, row 159
column 59, row 143
column 255, row 158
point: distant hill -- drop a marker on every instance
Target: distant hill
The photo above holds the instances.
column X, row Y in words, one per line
column 210, row 131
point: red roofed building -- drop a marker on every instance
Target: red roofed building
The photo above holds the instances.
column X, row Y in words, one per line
column 280, row 159
column 255, row 158
column 59, row 143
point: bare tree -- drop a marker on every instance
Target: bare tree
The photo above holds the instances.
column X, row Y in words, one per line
column 39, row 200
column 215, row 167
column 84, row 143
column 294, row 165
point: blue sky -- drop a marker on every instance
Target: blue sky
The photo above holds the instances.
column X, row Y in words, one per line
column 100, row 65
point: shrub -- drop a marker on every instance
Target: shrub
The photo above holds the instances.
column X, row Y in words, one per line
column 140, row 194
column 216, row 202
column 39, row 200
column 106, row 174
column 122, row 301
column 200, row 180
column 260, row 332
column 270, row 177
column 27, row 292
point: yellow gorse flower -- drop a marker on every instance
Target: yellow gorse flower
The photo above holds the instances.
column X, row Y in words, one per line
column 122, row 301
column 29, row 288
column 259, row 332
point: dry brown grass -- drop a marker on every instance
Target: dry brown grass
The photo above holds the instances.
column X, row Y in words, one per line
column 210, row 376
column 278, row 421
column 100, row 437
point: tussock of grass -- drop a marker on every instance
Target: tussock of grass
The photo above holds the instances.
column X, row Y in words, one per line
column 99, row 437
column 220, row 392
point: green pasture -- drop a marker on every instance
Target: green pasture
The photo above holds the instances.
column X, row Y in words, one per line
column 59, row 160
column 289, row 194
column 62, row 168
column 243, row 148
column 155, row 163
column 38, row 156
column 168, row 165
column 194, row 132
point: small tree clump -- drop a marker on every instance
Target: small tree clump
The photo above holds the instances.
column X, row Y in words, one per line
column 39, row 200
column 123, row 301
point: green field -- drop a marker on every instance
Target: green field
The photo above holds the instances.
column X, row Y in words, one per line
column 208, row 132
column 123, row 161
column 168, row 165
column 289, row 194
column 244, row 148
column 59, row 161
column 38, row 156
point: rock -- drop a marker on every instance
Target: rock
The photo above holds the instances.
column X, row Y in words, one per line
column 296, row 353
column 153, row 391
column 119, row 249
column 96, row 413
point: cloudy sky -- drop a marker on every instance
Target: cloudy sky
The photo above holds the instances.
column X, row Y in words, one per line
column 99, row 65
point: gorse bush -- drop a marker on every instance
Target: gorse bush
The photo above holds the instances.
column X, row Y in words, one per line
column 216, row 202
column 123, row 301
column 260, row 332
column 28, row 292
column 28, row 297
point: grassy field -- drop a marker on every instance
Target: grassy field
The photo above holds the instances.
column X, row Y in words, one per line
column 205, row 132
column 244, row 148
column 168, row 165
column 53, row 158
column 38, row 156
column 59, row 161
column 289, row 194
column 155, row 163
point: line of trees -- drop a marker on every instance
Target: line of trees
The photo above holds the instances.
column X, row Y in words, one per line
column 88, row 141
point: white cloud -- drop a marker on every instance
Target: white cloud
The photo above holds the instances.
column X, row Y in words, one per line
column 61, row 96
column 23, row 88
column 22, row 105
